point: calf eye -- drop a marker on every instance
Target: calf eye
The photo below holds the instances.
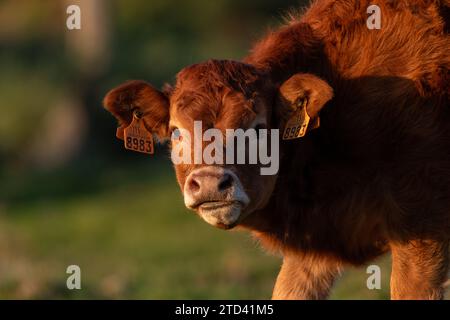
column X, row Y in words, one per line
column 174, row 133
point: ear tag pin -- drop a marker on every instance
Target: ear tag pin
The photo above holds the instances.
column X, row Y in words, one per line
column 297, row 125
column 137, row 137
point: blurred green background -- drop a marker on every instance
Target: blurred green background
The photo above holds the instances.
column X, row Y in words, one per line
column 70, row 193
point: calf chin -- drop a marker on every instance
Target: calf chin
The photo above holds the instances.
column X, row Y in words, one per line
column 224, row 215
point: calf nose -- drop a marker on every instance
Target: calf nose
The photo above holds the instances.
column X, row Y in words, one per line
column 207, row 186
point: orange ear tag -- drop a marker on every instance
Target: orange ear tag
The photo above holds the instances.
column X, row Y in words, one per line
column 297, row 125
column 137, row 137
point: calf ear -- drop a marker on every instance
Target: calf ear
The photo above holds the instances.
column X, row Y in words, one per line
column 302, row 90
column 139, row 97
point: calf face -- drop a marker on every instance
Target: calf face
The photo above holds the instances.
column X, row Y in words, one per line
column 223, row 95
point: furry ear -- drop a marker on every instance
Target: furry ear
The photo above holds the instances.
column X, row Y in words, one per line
column 139, row 96
column 298, row 88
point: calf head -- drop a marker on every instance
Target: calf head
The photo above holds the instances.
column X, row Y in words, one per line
column 223, row 95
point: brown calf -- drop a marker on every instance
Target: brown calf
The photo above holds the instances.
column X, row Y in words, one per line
column 375, row 176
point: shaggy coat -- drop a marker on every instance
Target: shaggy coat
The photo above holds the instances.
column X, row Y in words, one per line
column 374, row 177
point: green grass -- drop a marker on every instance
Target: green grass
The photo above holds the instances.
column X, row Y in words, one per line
column 132, row 237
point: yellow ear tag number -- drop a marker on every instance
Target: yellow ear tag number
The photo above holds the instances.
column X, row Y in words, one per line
column 137, row 137
column 297, row 125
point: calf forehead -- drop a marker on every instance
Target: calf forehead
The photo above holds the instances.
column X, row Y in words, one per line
column 230, row 110
column 219, row 93
column 213, row 75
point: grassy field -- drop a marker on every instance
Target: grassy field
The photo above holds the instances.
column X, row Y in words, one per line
column 132, row 237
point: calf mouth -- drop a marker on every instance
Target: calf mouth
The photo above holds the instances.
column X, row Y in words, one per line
column 221, row 214
column 212, row 205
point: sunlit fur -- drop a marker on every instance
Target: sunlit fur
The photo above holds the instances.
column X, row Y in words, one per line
column 376, row 174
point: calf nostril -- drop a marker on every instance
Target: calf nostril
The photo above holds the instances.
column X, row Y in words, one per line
column 194, row 186
column 226, row 182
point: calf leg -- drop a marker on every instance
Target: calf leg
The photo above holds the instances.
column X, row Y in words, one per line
column 305, row 277
column 419, row 269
